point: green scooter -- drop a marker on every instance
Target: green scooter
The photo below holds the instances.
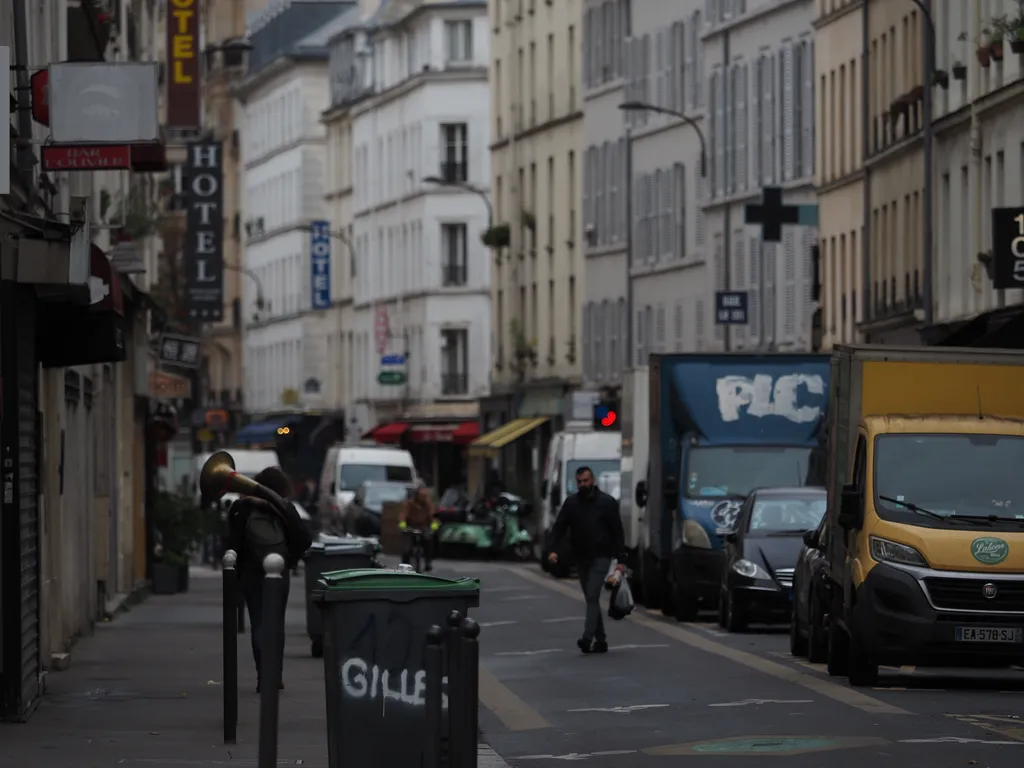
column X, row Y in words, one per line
column 491, row 528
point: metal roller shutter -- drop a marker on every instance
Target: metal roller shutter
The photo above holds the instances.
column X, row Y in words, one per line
column 19, row 527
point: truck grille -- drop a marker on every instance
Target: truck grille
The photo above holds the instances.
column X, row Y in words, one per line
column 976, row 594
column 784, row 576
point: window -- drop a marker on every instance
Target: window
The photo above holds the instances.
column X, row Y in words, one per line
column 453, row 254
column 455, row 160
column 679, row 210
column 454, row 362
column 458, row 37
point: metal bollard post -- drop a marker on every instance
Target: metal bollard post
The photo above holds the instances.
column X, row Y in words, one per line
column 469, row 660
column 240, row 600
column 435, row 712
column 230, row 676
column 456, row 719
column 272, row 648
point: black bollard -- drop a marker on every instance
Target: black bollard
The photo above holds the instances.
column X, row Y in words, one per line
column 434, row 711
column 230, row 676
column 455, row 716
column 272, row 648
column 469, row 660
column 240, row 599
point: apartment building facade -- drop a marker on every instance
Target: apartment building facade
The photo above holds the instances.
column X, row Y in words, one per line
column 539, row 279
column 873, row 253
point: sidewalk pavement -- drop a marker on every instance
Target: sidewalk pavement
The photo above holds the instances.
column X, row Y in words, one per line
column 145, row 690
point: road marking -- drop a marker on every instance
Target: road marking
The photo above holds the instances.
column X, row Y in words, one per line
column 1005, row 725
column 631, row 647
column 960, row 740
column 530, row 653
column 825, row 687
column 771, row 745
column 497, row 623
column 520, row 597
column 514, row 713
column 758, row 702
column 503, row 589
column 621, row 710
column 579, row 755
column 563, row 618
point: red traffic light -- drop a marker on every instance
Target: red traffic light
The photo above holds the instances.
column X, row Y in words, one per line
column 604, row 416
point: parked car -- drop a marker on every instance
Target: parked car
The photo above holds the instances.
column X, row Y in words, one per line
column 347, row 467
column 453, row 506
column 361, row 516
column 761, row 554
column 808, row 630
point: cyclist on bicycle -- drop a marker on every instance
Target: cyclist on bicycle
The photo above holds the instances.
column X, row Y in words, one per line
column 418, row 513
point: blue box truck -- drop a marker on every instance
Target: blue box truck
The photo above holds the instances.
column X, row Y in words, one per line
column 720, row 425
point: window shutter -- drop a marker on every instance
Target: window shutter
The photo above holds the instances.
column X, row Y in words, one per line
column 641, row 358
column 805, row 303
column 679, row 66
column 587, row 371
column 808, row 108
column 698, row 209
column 668, row 224
column 659, row 69
column 756, row 141
column 712, row 135
column 647, row 77
column 596, row 48
column 624, row 45
column 698, row 325
column 614, row 358
column 639, row 246
column 731, row 127
column 690, row 65
column 588, row 49
column 739, row 278
column 609, row 189
column 678, row 327
column 670, row 69
column 698, row 73
column 653, row 195
column 720, row 135
column 678, row 213
column 719, row 257
column 599, row 341
column 768, row 135
column 597, row 207
column 660, row 328
column 742, row 127
column 788, row 89
column 588, row 182
column 623, row 185
column 610, row 38
column 789, row 287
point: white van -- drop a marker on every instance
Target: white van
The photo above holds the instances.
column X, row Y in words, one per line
column 577, row 446
column 347, row 467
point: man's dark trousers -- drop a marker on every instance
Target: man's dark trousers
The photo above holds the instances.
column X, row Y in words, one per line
column 592, row 576
column 252, row 590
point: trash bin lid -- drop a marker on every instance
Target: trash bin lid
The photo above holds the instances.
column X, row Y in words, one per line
column 342, row 547
column 368, row 582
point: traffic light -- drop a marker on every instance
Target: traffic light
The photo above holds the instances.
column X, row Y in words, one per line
column 606, row 415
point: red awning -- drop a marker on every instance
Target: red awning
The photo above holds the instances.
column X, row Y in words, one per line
column 388, row 433
column 467, row 432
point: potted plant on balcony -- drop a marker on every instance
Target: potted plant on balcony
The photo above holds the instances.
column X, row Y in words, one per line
column 524, row 351
column 940, row 77
column 959, row 70
column 996, row 36
column 529, row 221
column 497, row 236
column 1015, row 29
column 983, row 49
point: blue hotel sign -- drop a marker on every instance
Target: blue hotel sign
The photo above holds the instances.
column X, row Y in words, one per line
column 320, row 259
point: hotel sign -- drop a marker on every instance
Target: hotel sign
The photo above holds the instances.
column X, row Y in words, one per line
column 184, row 96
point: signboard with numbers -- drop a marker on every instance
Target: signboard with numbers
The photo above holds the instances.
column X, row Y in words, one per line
column 1007, row 248
column 183, row 351
column 730, row 308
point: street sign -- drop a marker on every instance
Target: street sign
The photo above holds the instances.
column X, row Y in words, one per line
column 320, row 260
column 730, row 308
column 390, row 378
column 392, row 360
column 771, row 214
column 381, row 329
column 178, row 350
column 1007, row 248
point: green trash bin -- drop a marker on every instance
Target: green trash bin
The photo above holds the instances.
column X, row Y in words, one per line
column 332, row 553
column 375, row 632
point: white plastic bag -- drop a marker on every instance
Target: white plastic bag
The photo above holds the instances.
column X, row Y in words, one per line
column 621, row 604
column 613, row 577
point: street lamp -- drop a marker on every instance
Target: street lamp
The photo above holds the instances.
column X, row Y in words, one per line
column 469, row 188
column 928, row 56
column 640, row 106
column 260, row 303
column 341, row 236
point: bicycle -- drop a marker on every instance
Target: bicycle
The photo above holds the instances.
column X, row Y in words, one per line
column 416, row 554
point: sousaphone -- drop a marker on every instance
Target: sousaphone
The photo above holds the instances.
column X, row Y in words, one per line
column 218, row 477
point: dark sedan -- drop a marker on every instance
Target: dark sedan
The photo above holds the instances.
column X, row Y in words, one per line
column 761, row 554
column 361, row 516
column 808, row 633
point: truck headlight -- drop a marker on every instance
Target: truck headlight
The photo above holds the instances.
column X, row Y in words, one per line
column 885, row 551
column 750, row 570
column 694, row 535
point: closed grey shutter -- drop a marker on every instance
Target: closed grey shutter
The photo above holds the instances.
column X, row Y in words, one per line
column 678, row 327
column 650, row 206
column 739, row 279
column 729, row 78
column 671, row 87
column 588, row 49
column 721, row 137
column 668, row 226
column 608, row 214
column 768, row 153
column 719, row 256
column 690, row 65
column 715, row 149
column 648, row 75
column 639, row 245
column 679, row 213
column 698, row 325
column 742, row 127
column 679, row 66
column 808, row 109
column 789, row 286
column 599, row 320
column 805, row 268
column 614, row 356
column 754, row 270
column 588, row 183
column 788, row 137
column 756, row 140
column 659, row 325
column 641, row 357
column 771, row 264
column 597, row 219
column 625, row 345
column 588, row 372
column 698, row 213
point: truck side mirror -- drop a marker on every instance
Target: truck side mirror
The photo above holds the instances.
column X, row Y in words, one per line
column 640, row 494
column 809, row 539
column 670, row 492
column 850, row 508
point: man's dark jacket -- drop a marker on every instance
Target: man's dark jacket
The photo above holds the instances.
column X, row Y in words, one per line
column 594, row 526
column 295, row 532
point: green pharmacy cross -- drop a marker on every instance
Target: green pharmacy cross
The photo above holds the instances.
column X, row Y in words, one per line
column 771, row 214
column 391, row 378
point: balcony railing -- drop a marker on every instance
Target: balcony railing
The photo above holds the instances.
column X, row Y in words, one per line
column 454, row 384
column 454, row 173
column 453, row 274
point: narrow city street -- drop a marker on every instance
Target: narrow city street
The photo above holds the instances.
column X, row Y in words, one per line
column 145, row 690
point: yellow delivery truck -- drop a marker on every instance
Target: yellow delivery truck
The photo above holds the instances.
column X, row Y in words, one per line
column 925, row 508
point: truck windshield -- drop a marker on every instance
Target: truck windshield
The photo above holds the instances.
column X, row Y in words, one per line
column 597, row 466
column 737, row 470
column 965, row 476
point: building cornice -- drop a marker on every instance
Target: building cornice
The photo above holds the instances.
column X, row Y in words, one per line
column 830, row 18
column 540, row 128
column 845, row 180
column 749, row 17
column 248, row 85
column 420, row 79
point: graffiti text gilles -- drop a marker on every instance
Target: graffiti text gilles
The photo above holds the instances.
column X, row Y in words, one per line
column 761, row 397
column 361, row 680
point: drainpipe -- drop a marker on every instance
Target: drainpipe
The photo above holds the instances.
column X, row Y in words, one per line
column 928, row 70
column 25, row 157
column 974, row 177
column 628, row 345
column 866, row 143
column 726, row 213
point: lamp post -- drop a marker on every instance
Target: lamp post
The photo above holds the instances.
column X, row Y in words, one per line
column 928, row 65
column 469, row 188
column 640, row 106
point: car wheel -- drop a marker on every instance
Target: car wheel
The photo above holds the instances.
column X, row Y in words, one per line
column 797, row 642
column 735, row 621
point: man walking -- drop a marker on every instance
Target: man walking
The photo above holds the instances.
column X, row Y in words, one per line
column 592, row 519
column 257, row 530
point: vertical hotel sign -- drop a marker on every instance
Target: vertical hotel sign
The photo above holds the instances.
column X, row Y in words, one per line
column 204, row 254
column 320, row 260
column 183, row 76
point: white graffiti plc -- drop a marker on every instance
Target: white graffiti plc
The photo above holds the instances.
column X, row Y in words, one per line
column 360, row 680
column 761, row 398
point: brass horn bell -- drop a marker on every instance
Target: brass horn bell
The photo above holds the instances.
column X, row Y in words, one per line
column 218, row 477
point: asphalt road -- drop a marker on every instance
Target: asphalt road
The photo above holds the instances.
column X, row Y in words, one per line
column 670, row 694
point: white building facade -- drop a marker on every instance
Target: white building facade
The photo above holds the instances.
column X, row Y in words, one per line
column 419, row 344
column 283, row 181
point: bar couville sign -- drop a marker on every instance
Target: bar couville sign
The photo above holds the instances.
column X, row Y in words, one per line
column 183, row 76
column 204, row 254
column 83, row 158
